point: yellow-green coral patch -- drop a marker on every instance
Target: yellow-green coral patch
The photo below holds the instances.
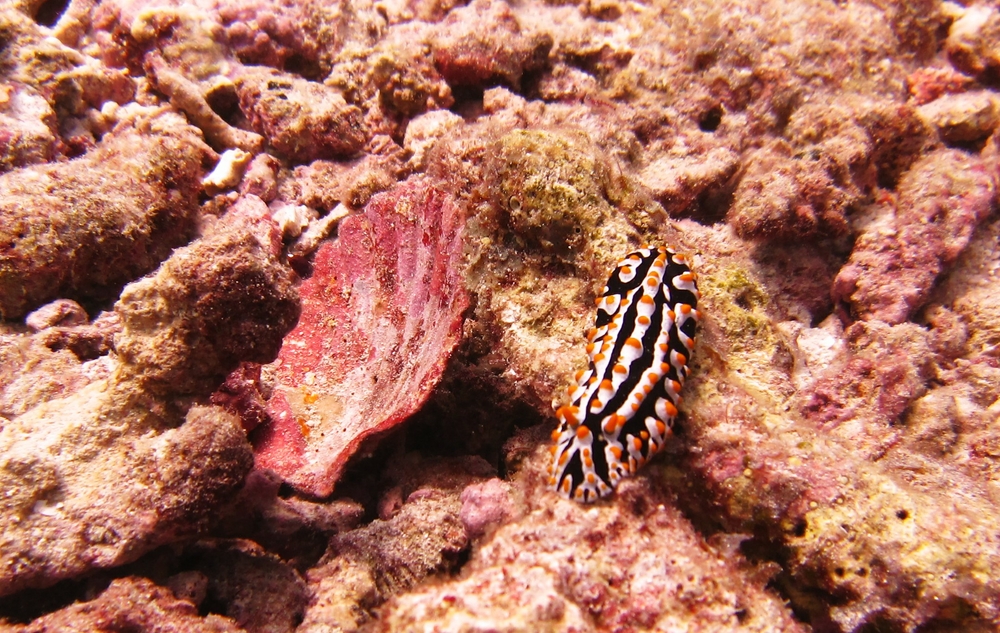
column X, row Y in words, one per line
column 551, row 187
column 739, row 305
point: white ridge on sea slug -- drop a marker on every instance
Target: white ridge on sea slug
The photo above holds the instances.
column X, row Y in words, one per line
column 624, row 404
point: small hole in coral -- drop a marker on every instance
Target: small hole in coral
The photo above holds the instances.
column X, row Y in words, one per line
column 711, row 120
column 304, row 67
column 800, row 528
column 839, row 572
column 50, row 11
column 862, row 572
column 743, row 301
column 902, row 515
column 224, row 102
column 704, row 59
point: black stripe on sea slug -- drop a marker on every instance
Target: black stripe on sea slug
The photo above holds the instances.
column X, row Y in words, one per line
column 623, row 405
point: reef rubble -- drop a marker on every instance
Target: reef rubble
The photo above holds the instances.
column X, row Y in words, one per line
column 289, row 292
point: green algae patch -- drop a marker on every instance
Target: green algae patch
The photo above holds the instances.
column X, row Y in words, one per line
column 551, row 188
column 933, row 547
column 740, row 306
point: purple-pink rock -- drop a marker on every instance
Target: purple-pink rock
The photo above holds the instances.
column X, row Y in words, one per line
column 302, row 120
column 485, row 505
column 482, row 43
column 906, row 245
column 128, row 604
column 112, row 215
column 380, row 317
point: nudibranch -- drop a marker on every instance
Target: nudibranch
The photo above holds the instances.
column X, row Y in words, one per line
column 624, row 404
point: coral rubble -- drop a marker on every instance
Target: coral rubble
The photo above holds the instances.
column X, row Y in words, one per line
column 130, row 603
column 103, row 226
column 288, row 291
column 106, row 465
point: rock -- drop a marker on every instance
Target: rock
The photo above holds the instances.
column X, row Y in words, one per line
column 107, row 469
column 425, row 537
column 973, row 42
column 485, row 506
column 61, row 312
column 902, row 250
column 255, row 589
column 113, row 214
column 28, row 124
column 97, row 482
column 569, row 567
column 678, row 182
column 963, row 118
column 482, row 43
column 130, row 603
column 301, row 120
column 224, row 299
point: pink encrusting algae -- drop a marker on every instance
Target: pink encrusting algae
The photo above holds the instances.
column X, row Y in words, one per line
column 290, row 293
column 380, row 316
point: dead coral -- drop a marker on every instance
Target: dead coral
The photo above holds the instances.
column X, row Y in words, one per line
column 869, row 386
column 927, row 84
column 403, row 72
column 323, row 184
column 61, row 312
column 301, row 120
column 835, row 482
column 94, row 488
column 645, row 568
column 186, row 327
column 69, row 81
column 902, row 250
column 482, row 43
column 781, row 198
column 255, row 589
column 267, row 34
column 130, row 603
column 365, row 567
column 29, row 128
column 55, row 362
column 112, row 215
column 186, row 97
column 792, row 117
column 963, row 118
column 679, row 182
column 550, row 188
column 973, row 43
column 833, row 155
column 119, row 466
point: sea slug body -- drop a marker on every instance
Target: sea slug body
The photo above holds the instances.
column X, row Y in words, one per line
column 624, row 404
